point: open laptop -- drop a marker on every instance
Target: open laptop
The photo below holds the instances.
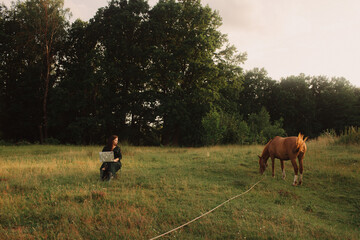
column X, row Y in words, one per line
column 106, row 156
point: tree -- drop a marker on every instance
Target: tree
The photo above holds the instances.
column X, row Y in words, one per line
column 75, row 103
column 258, row 91
column 213, row 129
column 335, row 103
column 261, row 129
column 297, row 105
column 45, row 29
column 19, row 80
column 125, row 98
column 183, row 70
column 230, row 80
column 236, row 130
column 34, row 31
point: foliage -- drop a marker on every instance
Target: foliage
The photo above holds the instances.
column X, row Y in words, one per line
column 183, row 71
column 152, row 76
column 306, row 104
column 213, row 129
column 236, row 130
column 56, row 194
column 273, row 130
column 32, row 35
column 259, row 91
column 297, row 104
column 261, row 129
column 220, row 127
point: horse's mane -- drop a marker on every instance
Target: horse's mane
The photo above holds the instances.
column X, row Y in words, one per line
column 300, row 141
column 266, row 148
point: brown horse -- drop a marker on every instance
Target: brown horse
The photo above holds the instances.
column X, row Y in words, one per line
column 288, row 148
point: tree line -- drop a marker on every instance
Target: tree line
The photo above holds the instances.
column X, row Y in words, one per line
column 160, row 75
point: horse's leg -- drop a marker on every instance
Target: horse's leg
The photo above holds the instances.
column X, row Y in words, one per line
column 282, row 169
column 293, row 161
column 301, row 168
column 273, row 166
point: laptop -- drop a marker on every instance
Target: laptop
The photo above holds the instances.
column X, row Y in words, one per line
column 106, row 156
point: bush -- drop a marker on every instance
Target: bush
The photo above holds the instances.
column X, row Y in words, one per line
column 22, row 143
column 52, row 141
column 243, row 132
column 261, row 129
column 235, row 129
column 227, row 128
column 351, row 135
column 213, row 130
column 272, row 131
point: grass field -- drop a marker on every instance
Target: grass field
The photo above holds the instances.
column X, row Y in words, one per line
column 54, row 192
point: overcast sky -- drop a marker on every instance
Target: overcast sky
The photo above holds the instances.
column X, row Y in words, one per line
column 286, row 37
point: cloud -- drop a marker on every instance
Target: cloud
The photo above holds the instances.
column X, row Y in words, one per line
column 236, row 14
column 288, row 37
column 84, row 9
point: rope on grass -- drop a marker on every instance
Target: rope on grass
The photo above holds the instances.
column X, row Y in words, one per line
column 204, row 214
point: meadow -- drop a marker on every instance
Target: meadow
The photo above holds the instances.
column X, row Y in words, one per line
column 54, row 192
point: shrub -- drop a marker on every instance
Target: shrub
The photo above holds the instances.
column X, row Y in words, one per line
column 261, row 129
column 272, row 131
column 351, row 135
column 213, row 130
column 235, row 129
column 22, row 143
column 52, row 141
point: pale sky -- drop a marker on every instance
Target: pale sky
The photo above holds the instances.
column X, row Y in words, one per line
column 286, row 37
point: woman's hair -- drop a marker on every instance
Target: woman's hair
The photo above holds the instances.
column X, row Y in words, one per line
column 110, row 141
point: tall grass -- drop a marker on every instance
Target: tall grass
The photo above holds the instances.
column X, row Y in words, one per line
column 351, row 135
column 53, row 192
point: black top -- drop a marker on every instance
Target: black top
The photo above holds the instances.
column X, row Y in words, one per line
column 117, row 152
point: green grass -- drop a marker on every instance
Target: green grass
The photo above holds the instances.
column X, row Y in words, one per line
column 53, row 192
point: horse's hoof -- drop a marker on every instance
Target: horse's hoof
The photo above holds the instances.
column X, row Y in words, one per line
column 300, row 183
column 294, row 184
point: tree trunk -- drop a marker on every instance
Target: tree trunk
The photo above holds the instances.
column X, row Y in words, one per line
column 41, row 134
column 47, row 77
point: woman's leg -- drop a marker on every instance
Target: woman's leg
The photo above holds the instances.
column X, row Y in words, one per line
column 114, row 167
column 103, row 171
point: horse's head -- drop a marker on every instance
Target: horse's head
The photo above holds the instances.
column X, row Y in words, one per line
column 262, row 164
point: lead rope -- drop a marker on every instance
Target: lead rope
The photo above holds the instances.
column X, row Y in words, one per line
column 208, row 211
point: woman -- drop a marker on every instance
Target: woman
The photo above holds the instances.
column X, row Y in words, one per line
column 108, row 169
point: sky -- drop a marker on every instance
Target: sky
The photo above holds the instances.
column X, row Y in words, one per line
column 285, row 37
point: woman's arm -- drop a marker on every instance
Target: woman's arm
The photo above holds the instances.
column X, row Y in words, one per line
column 117, row 154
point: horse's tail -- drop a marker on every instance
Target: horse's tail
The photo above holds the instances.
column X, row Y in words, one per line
column 300, row 143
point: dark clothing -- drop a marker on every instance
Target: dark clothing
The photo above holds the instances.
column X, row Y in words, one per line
column 117, row 151
column 111, row 167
